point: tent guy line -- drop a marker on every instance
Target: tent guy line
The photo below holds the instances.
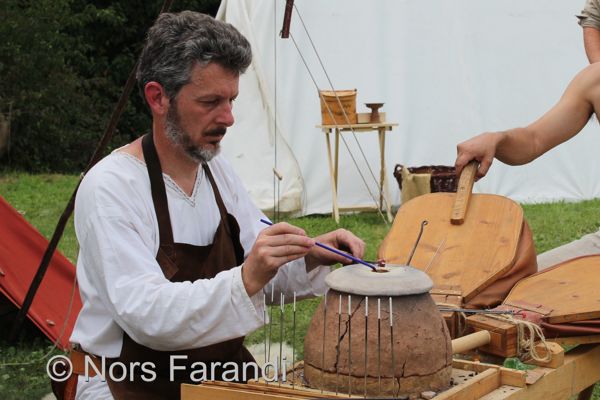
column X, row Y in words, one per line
column 373, row 197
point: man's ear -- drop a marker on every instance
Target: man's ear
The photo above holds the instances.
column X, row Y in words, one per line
column 156, row 98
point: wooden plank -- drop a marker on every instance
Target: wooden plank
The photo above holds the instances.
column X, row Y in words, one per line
column 557, row 355
column 535, row 375
column 586, row 360
column 463, row 193
column 569, row 290
column 473, row 388
column 254, row 391
column 580, row 370
column 559, row 317
column 207, row 392
column 508, row 376
column 296, row 390
column 575, row 340
column 360, row 127
column 445, row 290
column 501, row 393
column 475, row 253
column 359, row 208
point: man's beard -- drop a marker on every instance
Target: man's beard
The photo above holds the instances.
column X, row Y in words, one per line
column 181, row 138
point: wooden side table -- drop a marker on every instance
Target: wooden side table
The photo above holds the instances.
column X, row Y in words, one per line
column 381, row 128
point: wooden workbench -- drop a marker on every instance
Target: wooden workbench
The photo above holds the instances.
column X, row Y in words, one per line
column 472, row 380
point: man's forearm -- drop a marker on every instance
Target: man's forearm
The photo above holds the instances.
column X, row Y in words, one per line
column 517, row 146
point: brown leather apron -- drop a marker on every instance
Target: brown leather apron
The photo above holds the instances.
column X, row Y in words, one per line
column 183, row 262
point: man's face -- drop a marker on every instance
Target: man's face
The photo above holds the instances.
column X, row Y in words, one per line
column 201, row 112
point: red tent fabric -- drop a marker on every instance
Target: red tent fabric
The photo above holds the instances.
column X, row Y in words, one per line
column 21, row 250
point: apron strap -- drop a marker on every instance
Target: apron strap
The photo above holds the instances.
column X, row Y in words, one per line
column 159, row 193
column 218, row 198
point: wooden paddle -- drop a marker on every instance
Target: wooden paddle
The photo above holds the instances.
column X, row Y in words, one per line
column 463, row 193
column 470, row 254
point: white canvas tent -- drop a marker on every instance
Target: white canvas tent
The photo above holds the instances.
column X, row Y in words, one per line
column 445, row 69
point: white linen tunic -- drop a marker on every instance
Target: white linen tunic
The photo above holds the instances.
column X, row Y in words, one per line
column 122, row 286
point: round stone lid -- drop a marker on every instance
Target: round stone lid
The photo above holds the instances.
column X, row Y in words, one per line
column 392, row 280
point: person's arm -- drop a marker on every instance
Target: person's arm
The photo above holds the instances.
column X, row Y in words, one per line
column 591, row 42
column 521, row 145
column 589, row 19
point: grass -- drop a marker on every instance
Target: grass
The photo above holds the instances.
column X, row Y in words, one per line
column 42, row 198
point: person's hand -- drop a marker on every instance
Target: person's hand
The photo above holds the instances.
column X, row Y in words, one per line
column 274, row 246
column 340, row 239
column 481, row 148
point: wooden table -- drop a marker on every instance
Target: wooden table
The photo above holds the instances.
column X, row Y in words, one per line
column 381, row 128
column 577, row 374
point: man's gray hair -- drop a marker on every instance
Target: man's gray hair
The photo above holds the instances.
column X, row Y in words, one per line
column 177, row 41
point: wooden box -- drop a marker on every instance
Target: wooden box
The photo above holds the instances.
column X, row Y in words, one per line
column 503, row 335
column 338, row 107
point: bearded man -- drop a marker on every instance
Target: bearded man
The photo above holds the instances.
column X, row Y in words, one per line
column 174, row 264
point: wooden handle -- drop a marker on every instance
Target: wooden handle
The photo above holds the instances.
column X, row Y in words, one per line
column 470, row 342
column 463, row 193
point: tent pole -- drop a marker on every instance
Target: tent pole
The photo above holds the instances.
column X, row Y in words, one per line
column 64, row 218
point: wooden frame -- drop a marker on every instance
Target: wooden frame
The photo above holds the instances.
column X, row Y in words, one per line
column 473, row 380
column 333, row 158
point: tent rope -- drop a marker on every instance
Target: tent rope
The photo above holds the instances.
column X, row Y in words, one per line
column 346, row 117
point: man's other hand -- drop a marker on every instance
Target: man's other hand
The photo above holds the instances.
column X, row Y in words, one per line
column 276, row 245
column 340, row 239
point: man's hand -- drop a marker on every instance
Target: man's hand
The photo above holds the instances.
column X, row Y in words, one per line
column 339, row 239
column 274, row 246
column 481, row 148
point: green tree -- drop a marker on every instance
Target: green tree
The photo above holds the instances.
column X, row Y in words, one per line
column 63, row 64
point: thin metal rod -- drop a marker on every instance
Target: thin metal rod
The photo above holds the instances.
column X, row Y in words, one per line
column 379, row 344
column 336, row 251
column 337, row 367
column 349, row 345
column 271, row 322
column 412, row 252
column 323, row 341
column 434, row 255
column 392, row 343
column 366, row 338
column 281, row 320
column 265, row 323
column 294, row 343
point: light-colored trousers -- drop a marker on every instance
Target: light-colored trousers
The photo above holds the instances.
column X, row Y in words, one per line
column 587, row 245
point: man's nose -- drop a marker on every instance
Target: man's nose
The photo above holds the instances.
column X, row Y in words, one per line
column 225, row 116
